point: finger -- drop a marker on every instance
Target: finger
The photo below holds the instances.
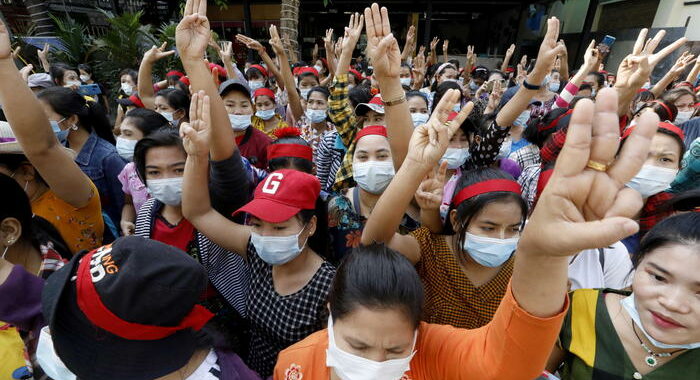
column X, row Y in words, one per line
column 668, row 50
column 369, row 24
column 574, row 155
column 386, row 26
column 599, row 233
column 162, row 47
column 188, row 7
column 634, row 151
column 606, row 128
column 168, row 53
column 432, row 135
column 442, row 172
column 377, row 20
column 202, row 10
column 639, row 44
column 444, row 107
column 627, row 204
column 206, row 111
column 200, row 107
column 461, row 116
column 193, row 104
column 386, row 43
column 654, row 42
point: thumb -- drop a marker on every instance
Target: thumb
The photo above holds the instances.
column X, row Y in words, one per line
column 598, row 234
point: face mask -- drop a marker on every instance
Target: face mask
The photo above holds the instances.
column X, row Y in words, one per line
column 265, row 114
column 683, row 116
column 652, row 180
column 277, row 250
column 489, row 252
column 457, row 107
column 504, row 152
column 405, row 81
column 352, row 367
column 419, row 118
column 629, row 306
column 73, row 83
column 373, row 176
column 318, row 68
column 522, row 119
column 168, row 116
column 305, row 93
column 239, row 122
column 455, row 157
column 473, row 86
column 166, row 190
column 315, row 116
column 84, row 78
column 126, row 88
column 554, row 86
column 255, row 84
column 546, row 80
column 125, row 148
column 48, row 359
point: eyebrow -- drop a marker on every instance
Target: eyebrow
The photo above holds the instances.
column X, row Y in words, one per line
column 660, row 269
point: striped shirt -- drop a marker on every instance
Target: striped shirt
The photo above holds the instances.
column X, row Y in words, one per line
column 451, row 298
column 328, row 158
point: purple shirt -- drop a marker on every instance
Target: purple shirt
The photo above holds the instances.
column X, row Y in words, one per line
column 132, row 185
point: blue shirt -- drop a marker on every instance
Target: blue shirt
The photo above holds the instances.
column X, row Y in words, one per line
column 691, row 129
column 100, row 161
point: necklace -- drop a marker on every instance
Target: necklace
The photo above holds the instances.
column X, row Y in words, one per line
column 651, row 359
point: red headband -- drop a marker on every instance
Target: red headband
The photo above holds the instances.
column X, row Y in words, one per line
column 310, row 70
column 486, row 187
column 662, row 125
column 662, row 104
column 555, row 121
column 174, row 73
column 259, row 68
column 97, row 313
column 356, row 74
column 378, row 130
column 289, row 150
column 185, row 80
column 264, row 92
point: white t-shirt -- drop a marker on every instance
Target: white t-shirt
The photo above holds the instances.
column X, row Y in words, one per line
column 586, row 272
column 208, row 370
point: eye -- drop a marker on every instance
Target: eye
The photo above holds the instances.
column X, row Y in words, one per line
column 152, row 172
column 255, row 224
column 657, row 278
column 487, row 228
column 180, row 171
column 280, row 228
column 665, row 159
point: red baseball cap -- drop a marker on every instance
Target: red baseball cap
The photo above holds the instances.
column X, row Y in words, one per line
column 282, row 195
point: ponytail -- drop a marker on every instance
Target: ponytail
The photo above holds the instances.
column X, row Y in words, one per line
column 91, row 115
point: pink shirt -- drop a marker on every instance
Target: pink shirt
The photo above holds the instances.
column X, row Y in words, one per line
column 132, row 185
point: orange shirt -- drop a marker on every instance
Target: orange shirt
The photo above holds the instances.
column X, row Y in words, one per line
column 514, row 345
column 81, row 228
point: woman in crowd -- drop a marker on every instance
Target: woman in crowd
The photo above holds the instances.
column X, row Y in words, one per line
column 266, row 118
column 418, row 106
column 64, row 75
column 85, row 123
column 314, row 123
column 173, row 105
column 684, row 100
column 87, row 77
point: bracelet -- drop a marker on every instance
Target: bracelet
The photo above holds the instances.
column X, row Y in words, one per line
column 530, row 86
column 395, row 102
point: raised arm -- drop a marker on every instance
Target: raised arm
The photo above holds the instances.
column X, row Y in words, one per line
column 549, row 49
column 192, row 38
column 507, row 57
column 383, row 52
column 693, row 74
column 330, row 52
column 44, row 57
column 674, row 73
column 145, row 81
column 271, row 65
column 407, row 51
column 445, row 46
column 196, row 204
column 33, row 132
column 564, row 63
column 286, row 72
column 590, row 57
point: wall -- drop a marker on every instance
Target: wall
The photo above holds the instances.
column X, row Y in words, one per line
column 673, row 13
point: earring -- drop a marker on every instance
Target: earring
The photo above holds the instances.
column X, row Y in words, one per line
column 74, row 127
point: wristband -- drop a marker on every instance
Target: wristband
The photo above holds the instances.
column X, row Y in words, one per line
column 530, row 86
column 394, row 102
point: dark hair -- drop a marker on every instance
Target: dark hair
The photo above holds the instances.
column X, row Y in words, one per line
column 16, row 205
column 672, row 96
column 437, row 75
column 681, row 229
column 537, row 132
column 91, row 115
column 13, row 162
column 499, row 72
column 471, row 207
column 319, row 241
column 147, row 121
column 57, row 70
column 161, row 138
column 132, row 73
column 442, row 90
column 677, row 139
column 643, row 96
column 359, row 94
column 180, row 85
column 376, row 277
column 322, row 90
column 585, row 86
column 455, row 62
column 307, row 74
column 414, row 93
column 481, row 72
column 599, row 78
column 85, row 68
column 254, row 70
column 301, row 164
column 660, row 110
column 176, row 99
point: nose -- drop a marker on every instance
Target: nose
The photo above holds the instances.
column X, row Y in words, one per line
column 675, row 300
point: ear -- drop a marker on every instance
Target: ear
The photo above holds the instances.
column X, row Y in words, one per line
column 25, row 173
column 312, row 225
column 178, row 114
column 72, row 120
column 477, row 139
column 453, row 220
column 10, row 231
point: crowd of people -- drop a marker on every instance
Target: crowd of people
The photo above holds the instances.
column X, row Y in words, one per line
column 386, row 215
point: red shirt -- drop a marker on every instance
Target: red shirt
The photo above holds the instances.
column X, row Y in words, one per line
column 253, row 146
column 178, row 236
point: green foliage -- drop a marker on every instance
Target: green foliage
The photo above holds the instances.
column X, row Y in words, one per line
column 166, row 33
column 78, row 43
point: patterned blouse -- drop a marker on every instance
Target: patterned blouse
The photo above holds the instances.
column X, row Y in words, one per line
column 277, row 322
column 312, row 135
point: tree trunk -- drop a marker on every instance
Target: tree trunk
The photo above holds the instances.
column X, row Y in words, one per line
column 39, row 12
column 289, row 22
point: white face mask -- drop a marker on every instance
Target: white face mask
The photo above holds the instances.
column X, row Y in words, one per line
column 455, row 157
column 265, row 114
column 127, row 88
column 352, row 367
column 48, row 359
column 84, row 78
column 125, row 148
column 405, row 81
column 373, row 176
column 504, row 152
column 489, row 252
column 73, row 83
column 652, row 180
column 166, row 190
column 682, row 117
column 256, row 84
column 168, row 116
column 304, row 93
column 521, row 120
column 318, row 68
column 277, row 250
column 239, row 122
column 629, row 305
column 419, row 118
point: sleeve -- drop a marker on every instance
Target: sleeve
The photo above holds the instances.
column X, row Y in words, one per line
column 688, row 178
column 20, row 303
column 113, row 166
column 228, row 184
column 566, row 96
column 617, row 267
column 124, row 180
column 340, row 111
column 514, row 345
column 484, row 153
column 323, row 159
column 427, row 248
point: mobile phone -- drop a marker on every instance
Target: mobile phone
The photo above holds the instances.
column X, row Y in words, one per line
column 89, row 89
column 608, row 41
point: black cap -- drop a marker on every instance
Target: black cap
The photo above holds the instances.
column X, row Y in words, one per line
column 234, row 84
column 149, row 286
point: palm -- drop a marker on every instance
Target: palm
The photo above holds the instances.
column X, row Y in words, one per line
column 382, row 47
column 550, row 49
column 195, row 134
column 192, row 36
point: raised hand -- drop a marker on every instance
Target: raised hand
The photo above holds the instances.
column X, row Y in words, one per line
column 429, row 142
column 429, row 193
column 44, row 53
column 156, row 53
column 685, row 60
column 193, row 32
column 250, row 43
column 591, row 204
column 353, row 32
column 510, row 51
column 195, row 134
column 445, row 46
column 549, row 48
column 434, row 43
column 494, row 98
column 590, row 57
column 24, row 71
column 382, row 47
column 471, row 58
column 276, row 42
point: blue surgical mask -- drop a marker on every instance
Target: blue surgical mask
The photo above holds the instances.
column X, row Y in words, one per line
column 629, row 305
column 473, row 86
column 125, row 148
column 62, row 136
column 305, row 93
column 554, row 86
column 455, row 157
column 168, row 116
column 489, row 252
column 277, row 250
column 265, row 114
column 522, row 119
column 405, row 81
column 239, row 122
column 419, row 118
column 255, row 84
column 315, row 116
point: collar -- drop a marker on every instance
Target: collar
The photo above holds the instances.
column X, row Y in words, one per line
column 85, row 153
